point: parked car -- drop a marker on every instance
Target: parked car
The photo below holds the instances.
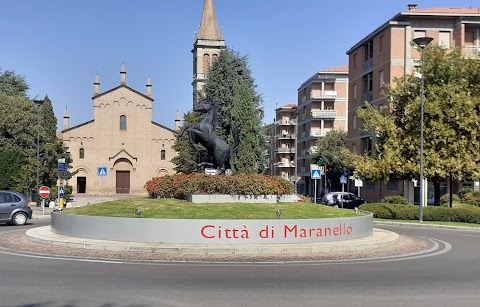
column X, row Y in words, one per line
column 14, row 208
column 342, row 200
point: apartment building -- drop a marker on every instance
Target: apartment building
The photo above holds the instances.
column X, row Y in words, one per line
column 387, row 53
column 285, row 141
column 322, row 107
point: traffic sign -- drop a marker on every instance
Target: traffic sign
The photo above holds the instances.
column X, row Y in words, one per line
column 61, row 191
column 102, row 171
column 316, row 174
column 358, row 183
column 343, row 179
column 44, row 192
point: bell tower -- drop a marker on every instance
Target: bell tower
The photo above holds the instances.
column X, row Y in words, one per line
column 209, row 42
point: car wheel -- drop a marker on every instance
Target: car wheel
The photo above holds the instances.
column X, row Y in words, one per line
column 19, row 219
column 335, row 206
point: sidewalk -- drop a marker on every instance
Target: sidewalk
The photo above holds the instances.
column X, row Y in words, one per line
column 78, row 201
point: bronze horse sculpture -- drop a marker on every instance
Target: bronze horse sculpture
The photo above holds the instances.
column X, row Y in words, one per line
column 204, row 134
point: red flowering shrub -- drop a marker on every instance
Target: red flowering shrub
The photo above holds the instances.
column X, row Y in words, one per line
column 182, row 185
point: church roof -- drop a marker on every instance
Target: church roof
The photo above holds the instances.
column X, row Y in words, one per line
column 78, row 126
column 125, row 86
column 208, row 25
column 162, row 126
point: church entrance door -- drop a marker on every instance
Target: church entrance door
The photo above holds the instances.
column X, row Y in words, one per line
column 81, row 184
column 123, row 182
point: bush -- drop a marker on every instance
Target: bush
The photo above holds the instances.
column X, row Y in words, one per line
column 182, row 185
column 431, row 213
column 473, row 198
column 378, row 210
column 464, row 191
column 54, row 194
column 445, row 199
column 395, row 199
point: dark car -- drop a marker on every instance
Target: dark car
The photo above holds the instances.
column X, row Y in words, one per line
column 342, row 200
column 14, row 208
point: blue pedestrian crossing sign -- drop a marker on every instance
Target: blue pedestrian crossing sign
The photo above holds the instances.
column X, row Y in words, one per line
column 316, row 174
column 102, row 171
column 61, row 191
column 343, row 179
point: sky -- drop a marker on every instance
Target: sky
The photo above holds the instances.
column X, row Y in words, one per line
column 59, row 46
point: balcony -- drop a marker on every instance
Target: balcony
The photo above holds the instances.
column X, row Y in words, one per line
column 471, row 52
column 323, row 94
column 304, row 99
column 285, row 150
column 367, row 66
column 284, row 164
column 368, row 96
column 285, row 122
column 285, row 136
column 324, row 114
column 320, row 132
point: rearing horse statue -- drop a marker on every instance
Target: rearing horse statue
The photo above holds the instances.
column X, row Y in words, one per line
column 204, row 133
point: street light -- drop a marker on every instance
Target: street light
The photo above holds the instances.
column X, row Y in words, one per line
column 421, row 42
column 38, row 103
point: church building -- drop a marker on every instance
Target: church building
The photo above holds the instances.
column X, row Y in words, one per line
column 121, row 148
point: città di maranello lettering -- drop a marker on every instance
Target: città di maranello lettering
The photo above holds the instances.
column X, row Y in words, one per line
column 269, row 232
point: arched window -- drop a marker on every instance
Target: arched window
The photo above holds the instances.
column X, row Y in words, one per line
column 162, row 155
column 123, row 122
column 81, row 153
column 214, row 57
column 206, row 62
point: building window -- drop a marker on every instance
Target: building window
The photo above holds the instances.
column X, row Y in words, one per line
column 354, row 121
column 369, row 185
column 354, row 149
column 419, row 33
column 214, row 57
column 81, row 153
column 382, row 82
column 162, row 155
column 355, row 91
column 380, row 44
column 392, row 185
column 123, row 122
column 206, row 62
column 354, row 60
column 444, row 39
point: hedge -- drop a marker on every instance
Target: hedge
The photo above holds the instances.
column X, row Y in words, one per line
column 402, row 212
column 182, row 185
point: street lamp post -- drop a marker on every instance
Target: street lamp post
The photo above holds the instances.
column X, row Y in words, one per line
column 422, row 42
column 38, row 103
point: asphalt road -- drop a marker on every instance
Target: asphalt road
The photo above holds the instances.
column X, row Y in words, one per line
column 450, row 278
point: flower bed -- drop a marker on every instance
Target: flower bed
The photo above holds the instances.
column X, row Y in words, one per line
column 182, row 185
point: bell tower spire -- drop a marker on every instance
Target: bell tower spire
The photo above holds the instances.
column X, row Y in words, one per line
column 208, row 25
column 209, row 42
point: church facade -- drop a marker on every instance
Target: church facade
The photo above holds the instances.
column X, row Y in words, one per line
column 122, row 147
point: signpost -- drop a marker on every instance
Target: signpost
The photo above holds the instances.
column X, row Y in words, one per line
column 315, row 174
column 44, row 192
column 101, row 172
column 343, row 181
column 358, row 184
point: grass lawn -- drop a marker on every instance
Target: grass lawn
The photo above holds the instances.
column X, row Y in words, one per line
column 179, row 209
column 431, row 222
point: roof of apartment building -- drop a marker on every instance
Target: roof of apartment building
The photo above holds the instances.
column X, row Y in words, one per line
column 287, row 106
column 334, row 70
column 412, row 11
column 340, row 69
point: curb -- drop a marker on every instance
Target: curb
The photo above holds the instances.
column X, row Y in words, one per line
column 426, row 225
column 380, row 238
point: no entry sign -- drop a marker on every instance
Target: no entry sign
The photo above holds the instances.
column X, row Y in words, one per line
column 44, row 192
